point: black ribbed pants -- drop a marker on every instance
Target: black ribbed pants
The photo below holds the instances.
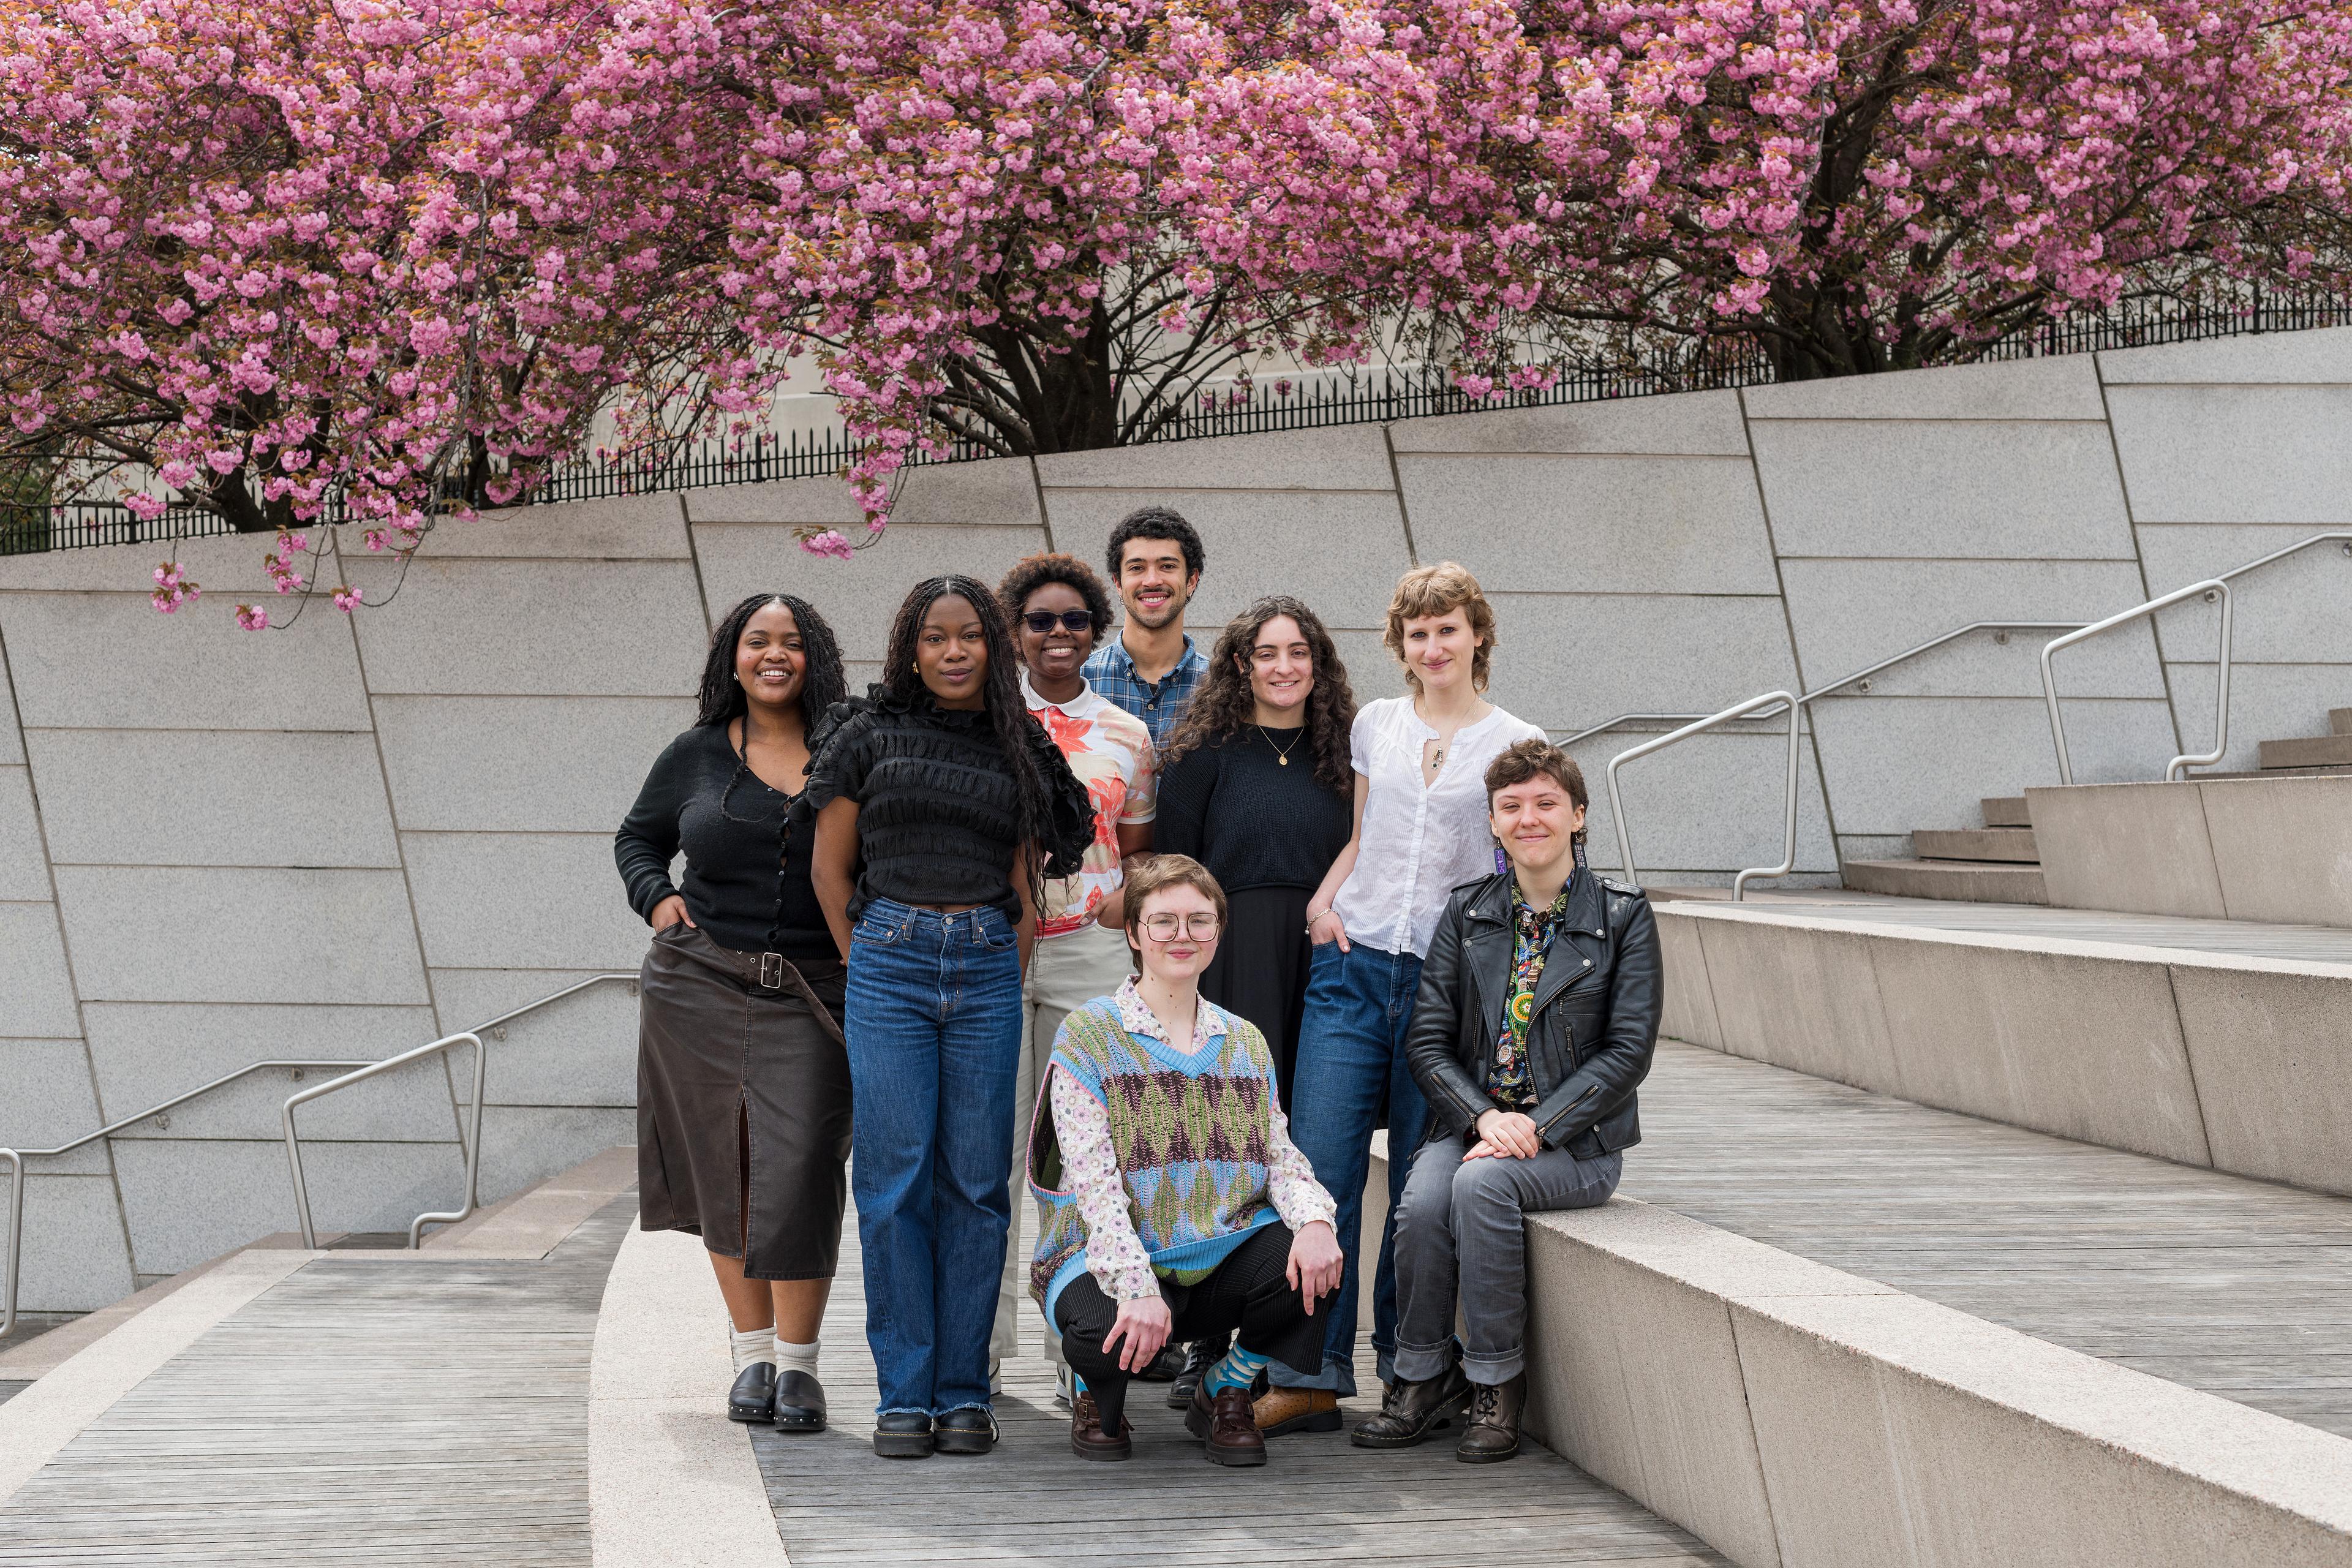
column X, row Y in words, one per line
column 1247, row 1294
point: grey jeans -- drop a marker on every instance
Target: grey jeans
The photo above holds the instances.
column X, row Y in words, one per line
column 1459, row 1232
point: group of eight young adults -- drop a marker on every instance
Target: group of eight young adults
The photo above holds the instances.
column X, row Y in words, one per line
column 950, row 834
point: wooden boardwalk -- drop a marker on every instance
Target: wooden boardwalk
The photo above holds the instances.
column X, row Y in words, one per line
column 373, row 1412
column 2240, row 1288
column 1319, row 1499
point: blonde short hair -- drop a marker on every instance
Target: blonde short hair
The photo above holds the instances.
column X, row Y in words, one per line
column 1158, row 874
column 1435, row 590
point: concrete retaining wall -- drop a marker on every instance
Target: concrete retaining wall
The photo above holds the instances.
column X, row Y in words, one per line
column 2238, row 1064
column 2277, row 849
column 347, row 838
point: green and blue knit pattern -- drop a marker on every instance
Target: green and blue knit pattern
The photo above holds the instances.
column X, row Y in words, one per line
column 1190, row 1134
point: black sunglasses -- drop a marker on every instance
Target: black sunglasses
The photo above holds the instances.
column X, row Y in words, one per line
column 1044, row 621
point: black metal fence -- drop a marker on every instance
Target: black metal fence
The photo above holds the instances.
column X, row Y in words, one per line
column 1297, row 400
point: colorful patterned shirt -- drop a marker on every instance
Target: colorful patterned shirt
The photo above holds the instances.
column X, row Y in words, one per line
column 1115, row 1253
column 1158, row 703
column 1110, row 752
column 1509, row 1083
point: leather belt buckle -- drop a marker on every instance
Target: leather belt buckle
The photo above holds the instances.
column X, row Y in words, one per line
column 771, row 971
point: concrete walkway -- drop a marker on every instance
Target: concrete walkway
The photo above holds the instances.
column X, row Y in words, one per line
column 2220, row 1283
column 1319, row 1500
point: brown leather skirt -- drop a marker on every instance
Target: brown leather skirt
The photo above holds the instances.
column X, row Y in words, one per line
column 742, row 1104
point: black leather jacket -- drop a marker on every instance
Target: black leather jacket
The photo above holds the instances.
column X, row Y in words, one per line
column 1596, row 1013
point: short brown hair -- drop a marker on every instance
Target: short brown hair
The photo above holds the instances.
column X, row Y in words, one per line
column 1157, row 874
column 1434, row 591
column 1532, row 759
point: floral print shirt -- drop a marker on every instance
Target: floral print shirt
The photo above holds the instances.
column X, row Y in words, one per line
column 1109, row 749
column 1510, row 1084
column 1115, row 1253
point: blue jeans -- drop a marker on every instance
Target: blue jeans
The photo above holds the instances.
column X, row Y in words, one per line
column 1350, row 1060
column 934, row 1028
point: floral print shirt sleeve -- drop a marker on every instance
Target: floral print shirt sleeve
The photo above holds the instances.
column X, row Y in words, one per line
column 1115, row 1253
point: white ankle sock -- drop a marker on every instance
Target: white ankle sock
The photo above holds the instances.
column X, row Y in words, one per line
column 790, row 1357
column 749, row 1345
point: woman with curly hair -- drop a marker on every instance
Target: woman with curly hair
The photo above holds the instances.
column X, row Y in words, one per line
column 743, row 1084
column 941, row 808
column 1255, row 787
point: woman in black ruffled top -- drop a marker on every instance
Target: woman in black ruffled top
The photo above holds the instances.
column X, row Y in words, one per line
column 940, row 807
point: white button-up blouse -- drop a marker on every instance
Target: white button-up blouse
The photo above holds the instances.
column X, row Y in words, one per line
column 1419, row 843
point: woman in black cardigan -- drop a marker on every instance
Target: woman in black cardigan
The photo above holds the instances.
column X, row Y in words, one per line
column 743, row 1090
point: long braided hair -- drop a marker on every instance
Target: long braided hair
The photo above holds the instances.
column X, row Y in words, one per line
column 721, row 699
column 1223, row 704
column 1008, row 711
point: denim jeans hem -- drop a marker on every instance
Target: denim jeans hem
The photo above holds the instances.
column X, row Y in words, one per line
column 1336, row 1376
column 1418, row 1364
column 982, row 1405
column 882, row 1410
column 1494, row 1366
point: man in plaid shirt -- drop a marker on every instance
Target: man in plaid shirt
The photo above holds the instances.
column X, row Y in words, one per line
column 1151, row 667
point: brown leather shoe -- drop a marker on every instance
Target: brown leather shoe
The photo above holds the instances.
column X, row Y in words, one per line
column 1495, row 1411
column 1282, row 1411
column 1088, row 1438
column 1226, row 1425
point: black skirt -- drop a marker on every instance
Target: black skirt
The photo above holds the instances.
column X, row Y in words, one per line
column 742, row 1105
column 1260, row 970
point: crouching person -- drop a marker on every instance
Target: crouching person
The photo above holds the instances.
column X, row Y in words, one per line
column 1173, row 1203
column 1537, row 1014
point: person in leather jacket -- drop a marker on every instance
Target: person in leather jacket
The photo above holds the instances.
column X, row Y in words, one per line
column 1537, row 1017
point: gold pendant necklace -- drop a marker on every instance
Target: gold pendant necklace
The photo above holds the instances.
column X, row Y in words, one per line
column 1282, row 753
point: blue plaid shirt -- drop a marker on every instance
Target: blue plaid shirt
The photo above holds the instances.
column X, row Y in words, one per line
column 1111, row 672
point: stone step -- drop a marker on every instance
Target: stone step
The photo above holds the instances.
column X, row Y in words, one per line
column 2005, row 811
column 2009, row 845
column 2340, row 720
column 2308, row 751
column 2337, row 770
column 1966, row 882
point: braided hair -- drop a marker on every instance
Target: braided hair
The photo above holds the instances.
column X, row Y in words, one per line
column 1224, row 705
column 823, row 683
column 1008, row 711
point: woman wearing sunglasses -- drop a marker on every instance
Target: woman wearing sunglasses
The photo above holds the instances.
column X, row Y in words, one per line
column 1058, row 608
column 1172, row 1202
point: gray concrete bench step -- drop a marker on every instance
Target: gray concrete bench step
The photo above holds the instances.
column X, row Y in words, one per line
column 1969, row 881
column 2340, row 720
column 2214, row 1043
column 2308, row 751
column 1803, row 1342
column 2013, row 846
column 2005, row 811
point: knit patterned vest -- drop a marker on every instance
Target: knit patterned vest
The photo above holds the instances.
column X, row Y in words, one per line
column 1189, row 1134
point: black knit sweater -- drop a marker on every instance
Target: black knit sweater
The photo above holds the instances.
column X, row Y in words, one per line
column 1255, row 823
column 938, row 819
column 747, row 880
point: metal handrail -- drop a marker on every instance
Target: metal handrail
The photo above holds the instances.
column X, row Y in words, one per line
column 1931, row 644
column 17, row 1158
column 1795, row 706
column 2211, row 588
column 473, row 1136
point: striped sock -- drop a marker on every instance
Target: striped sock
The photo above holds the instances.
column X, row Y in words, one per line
column 1238, row 1369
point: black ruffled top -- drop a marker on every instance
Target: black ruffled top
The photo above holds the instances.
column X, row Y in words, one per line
column 938, row 816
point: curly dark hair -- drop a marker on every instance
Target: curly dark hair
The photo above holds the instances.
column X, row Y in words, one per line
column 1156, row 522
column 1032, row 573
column 721, row 700
column 1008, row 711
column 1224, row 706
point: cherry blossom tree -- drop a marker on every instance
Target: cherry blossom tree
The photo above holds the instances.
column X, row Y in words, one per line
column 373, row 256
column 1858, row 184
column 385, row 259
